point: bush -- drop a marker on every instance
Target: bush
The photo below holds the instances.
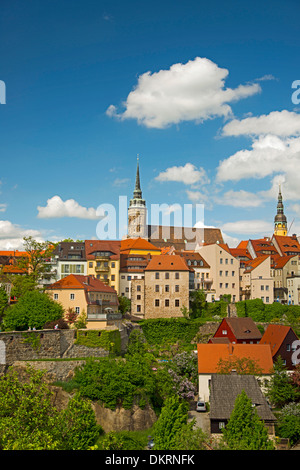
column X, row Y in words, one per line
column 170, row 330
column 110, row 340
column 61, row 323
column 33, row 310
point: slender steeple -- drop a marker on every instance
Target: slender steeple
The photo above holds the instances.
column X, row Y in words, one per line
column 137, row 193
column 137, row 211
column 280, row 220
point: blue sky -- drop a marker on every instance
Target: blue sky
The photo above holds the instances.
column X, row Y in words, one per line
column 202, row 91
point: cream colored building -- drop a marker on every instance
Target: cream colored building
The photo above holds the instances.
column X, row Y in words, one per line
column 88, row 297
column 257, row 282
column 164, row 291
column 103, row 261
column 224, row 270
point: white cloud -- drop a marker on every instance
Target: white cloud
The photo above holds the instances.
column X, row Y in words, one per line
column 194, row 91
column 188, row 174
column 248, row 227
column 239, row 198
column 56, row 207
column 11, row 235
column 280, row 123
column 3, row 207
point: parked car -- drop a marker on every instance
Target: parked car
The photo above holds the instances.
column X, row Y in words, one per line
column 150, row 443
column 201, row 406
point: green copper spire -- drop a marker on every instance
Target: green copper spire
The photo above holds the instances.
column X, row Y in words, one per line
column 137, row 194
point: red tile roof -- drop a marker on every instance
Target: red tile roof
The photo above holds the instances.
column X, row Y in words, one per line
column 209, row 355
column 102, row 245
column 77, row 281
column 274, row 336
column 137, row 244
column 287, row 244
column 256, row 262
column 167, row 263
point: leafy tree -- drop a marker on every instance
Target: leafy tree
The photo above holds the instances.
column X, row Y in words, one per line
column 22, row 284
column 79, row 428
column 245, row 430
column 169, row 425
column 124, row 304
column 280, row 389
column 3, row 301
column 29, row 420
column 198, row 304
column 33, row 309
column 111, row 441
column 289, row 422
column 34, row 263
column 243, row 365
column 191, row 438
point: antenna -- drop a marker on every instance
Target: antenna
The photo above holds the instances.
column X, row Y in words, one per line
column 290, row 226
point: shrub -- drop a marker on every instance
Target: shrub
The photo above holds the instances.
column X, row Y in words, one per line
column 33, row 310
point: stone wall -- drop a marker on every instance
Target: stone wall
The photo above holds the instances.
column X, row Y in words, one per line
column 44, row 344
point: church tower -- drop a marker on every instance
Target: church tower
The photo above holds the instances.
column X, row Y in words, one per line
column 137, row 211
column 280, row 222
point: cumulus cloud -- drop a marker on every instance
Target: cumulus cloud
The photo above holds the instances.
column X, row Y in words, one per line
column 248, row 227
column 56, row 207
column 279, row 123
column 188, row 174
column 239, row 198
column 11, row 235
column 194, row 91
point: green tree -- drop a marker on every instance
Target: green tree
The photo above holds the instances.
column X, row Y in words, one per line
column 30, row 421
column 245, row 430
column 280, row 388
column 170, row 423
column 198, row 305
column 3, row 301
column 190, row 438
column 33, row 310
column 124, row 304
column 242, row 365
column 35, row 262
column 79, row 428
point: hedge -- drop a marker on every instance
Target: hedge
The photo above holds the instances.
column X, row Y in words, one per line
column 110, row 340
column 170, row 330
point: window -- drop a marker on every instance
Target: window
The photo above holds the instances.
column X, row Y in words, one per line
column 138, row 288
column 138, row 308
column 113, row 264
column 167, row 288
column 72, row 296
column 233, row 273
column 156, row 303
column 221, row 272
column 177, row 288
column 267, row 300
column 224, row 332
column 267, row 287
column 176, row 302
column 122, row 277
column 77, row 309
column 167, row 275
column 226, row 273
column 90, row 264
column 167, row 302
column 55, row 296
column 288, row 347
column 156, row 275
column 128, row 278
column 78, row 268
column 157, row 288
column 262, row 287
column 138, row 297
column 221, row 285
column 113, row 277
column 226, row 285
column 226, row 261
column 221, row 424
column 176, row 275
column 221, row 260
column 233, row 285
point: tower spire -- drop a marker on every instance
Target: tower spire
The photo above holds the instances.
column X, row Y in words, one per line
column 137, row 194
column 280, row 220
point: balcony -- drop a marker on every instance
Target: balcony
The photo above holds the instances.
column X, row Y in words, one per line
column 104, row 269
